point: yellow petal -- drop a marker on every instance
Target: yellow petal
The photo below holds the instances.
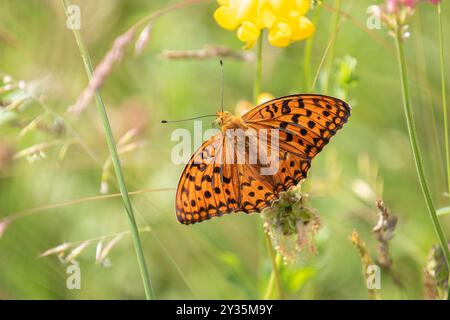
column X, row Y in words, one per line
column 264, row 97
column 302, row 6
column 248, row 32
column 242, row 107
column 247, row 10
column 302, row 28
column 284, row 8
column 280, row 35
column 266, row 14
column 223, row 2
column 226, row 18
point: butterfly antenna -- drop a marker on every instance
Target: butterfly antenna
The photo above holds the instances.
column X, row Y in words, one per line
column 209, row 115
column 188, row 119
column 221, row 67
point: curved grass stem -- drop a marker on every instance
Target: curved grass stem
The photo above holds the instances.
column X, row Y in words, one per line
column 334, row 29
column 307, row 56
column 415, row 149
column 116, row 164
column 444, row 109
column 444, row 96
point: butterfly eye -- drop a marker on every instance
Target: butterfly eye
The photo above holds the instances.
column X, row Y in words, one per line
column 218, row 121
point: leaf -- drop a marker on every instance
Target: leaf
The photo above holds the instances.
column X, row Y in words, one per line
column 295, row 279
column 237, row 275
column 230, row 260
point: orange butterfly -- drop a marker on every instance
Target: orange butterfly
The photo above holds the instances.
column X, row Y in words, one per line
column 211, row 186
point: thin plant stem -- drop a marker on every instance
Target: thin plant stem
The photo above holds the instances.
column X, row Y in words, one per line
column 421, row 68
column 360, row 25
column 275, row 279
column 154, row 15
column 333, row 32
column 116, row 164
column 307, row 65
column 330, row 45
column 258, row 76
column 444, row 113
column 307, row 55
column 28, row 212
column 444, row 96
column 415, row 148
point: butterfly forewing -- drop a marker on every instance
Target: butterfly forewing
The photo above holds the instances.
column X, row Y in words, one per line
column 208, row 186
column 306, row 122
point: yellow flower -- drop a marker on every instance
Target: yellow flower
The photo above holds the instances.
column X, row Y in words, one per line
column 244, row 106
column 264, row 97
column 284, row 19
column 248, row 32
column 280, row 34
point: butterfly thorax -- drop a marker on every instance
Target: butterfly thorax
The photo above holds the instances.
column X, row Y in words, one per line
column 226, row 120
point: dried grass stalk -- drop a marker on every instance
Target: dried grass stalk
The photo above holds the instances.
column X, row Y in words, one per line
column 60, row 249
column 436, row 275
column 77, row 251
column 113, row 56
column 117, row 51
column 366, row 261
column 103, row 253
column 3, row 226
column 208, row 52
column 384, row 232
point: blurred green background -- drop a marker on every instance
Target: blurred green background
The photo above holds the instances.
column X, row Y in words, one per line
column 222, row 258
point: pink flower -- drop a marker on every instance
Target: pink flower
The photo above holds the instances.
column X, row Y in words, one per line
column 395, row 14
column 393, row 6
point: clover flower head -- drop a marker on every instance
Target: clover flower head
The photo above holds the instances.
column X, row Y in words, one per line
column 292, row 225
column 284, row 20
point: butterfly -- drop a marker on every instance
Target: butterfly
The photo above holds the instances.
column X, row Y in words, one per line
column 211, row 186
